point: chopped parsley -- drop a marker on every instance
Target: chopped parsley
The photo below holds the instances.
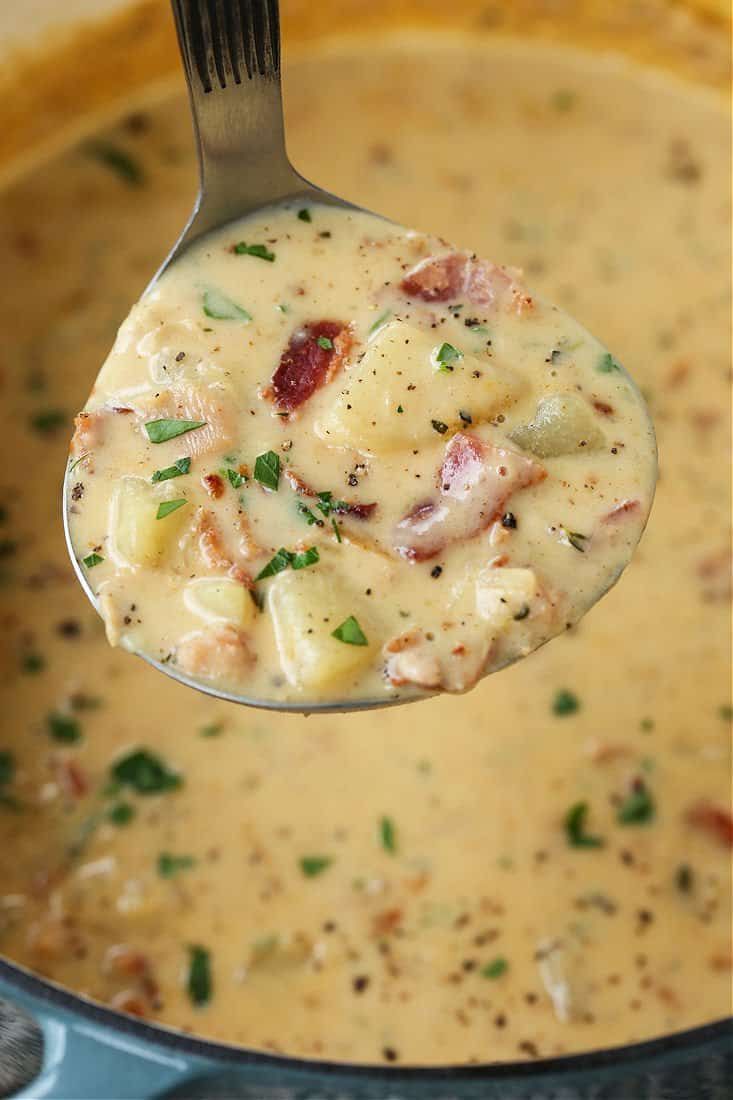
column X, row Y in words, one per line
column 169, row 865
column 575, row 832
column 261, row 251
column 563, row 99
column 388, row 835
column 211, row 729
column 121, row 813
column 217, row 305
column 445, row 357
column 91, row 560
column 325, row 343
column 607, row 364
column 31, row 663
column 638, row 807
column 167, row 506
column 326, row 504
column 180, row 466
column 160, row 431
column 305, row 215
column 725, row 711
column 235, row 479
column 336, row 530
column 48, row 421
column 63, row 728
column 400, row 409
column 199, row 983
column 7, row 767
column 439, row 426
column 684, row 878
column 564, row 703
column 145, row 773
column 286, row 558
column 117, row 160
column 267, row 470
column 306, row 514
column 495, row 968
column 380, row 322
column 314, row 865
column 574, row 539
column 350, row 632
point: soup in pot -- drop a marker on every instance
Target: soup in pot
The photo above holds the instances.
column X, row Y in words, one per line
column 539, row 867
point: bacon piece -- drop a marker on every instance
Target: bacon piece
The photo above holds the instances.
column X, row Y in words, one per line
column 341, row 508
column 213, row 551
column 461, row 276
column 476, row 480
column 213, row 485
column 621, row 511
column 306, row 365
column 717, row 822
column 88, row 431
column 221, row 654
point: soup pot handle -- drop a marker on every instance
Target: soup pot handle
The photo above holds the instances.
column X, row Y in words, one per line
column 49, row 1052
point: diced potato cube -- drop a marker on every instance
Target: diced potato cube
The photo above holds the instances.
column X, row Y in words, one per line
column 389, row 398
column 137, row 536
column 504, row 594
column 563, row 424
column 306, row 606
column 220, row 600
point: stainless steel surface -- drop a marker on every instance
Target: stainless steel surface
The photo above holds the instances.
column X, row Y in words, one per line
column 231, row 57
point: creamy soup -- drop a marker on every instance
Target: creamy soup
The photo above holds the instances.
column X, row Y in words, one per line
column 540, row 866
column 482, row 440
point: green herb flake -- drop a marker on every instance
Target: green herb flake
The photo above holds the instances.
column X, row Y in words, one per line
column 63, row 728
column 563, row 99
column 574, row 539
column 305, row 558
column 91, row 560
column 217, row 305
column 575, row 832
column 121, row 813
column 32, row 663
column 725, row 712
column 7, row 767
column 235, row 479
column 199, row 984
column 261, row 251
column 160, row 431
column 167, row 506
column 646, row 725
column 169, row 865
column 336, row 530
column 180, row 466
column 325, row 343
column 305, row 215
column 607, row 364
column 564, row 703
column 439, row 427
column 494, row 969
column 350, row 632
column 211, row 729
column 145, row 773
column 275, row 565
column 314, row 865
column 388, row 835
column 400, row 409
column 267, row 470
column 118, row 160
column 638, row 807
column 305, row 513
column 380, row 322
column 48, row 421
column 445, row 357
column 684, row 878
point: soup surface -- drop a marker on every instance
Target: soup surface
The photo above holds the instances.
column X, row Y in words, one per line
column 482, row 443
column 541, row 866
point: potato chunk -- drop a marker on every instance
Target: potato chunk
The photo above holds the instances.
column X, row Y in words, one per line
column 505, row 594
column 220, row 600
column 389, row 398
column 306, row 606
column 563, row 424
column 137, row 536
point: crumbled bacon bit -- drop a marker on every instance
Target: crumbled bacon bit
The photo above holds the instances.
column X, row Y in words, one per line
column 306, row 364
column 355, row 509
column 386, row 921
column 72, row 778
column 461, row 275
column 625, row 508
column 214, row 485
column 714, row 820
column 603, row 408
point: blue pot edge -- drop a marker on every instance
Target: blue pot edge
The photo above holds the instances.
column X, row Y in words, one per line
column 698, row 1039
